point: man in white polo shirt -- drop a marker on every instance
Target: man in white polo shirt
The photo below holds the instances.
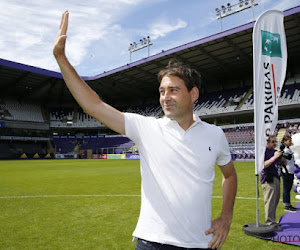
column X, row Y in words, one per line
column 178, row 155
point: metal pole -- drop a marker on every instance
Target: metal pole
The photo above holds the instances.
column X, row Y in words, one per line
column 130, row 55
column 221, row 23
column 257, row 208
column 252, row 11
column 148, row 49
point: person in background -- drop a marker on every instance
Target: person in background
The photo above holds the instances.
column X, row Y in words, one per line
column 288, row 175
column 270, row 181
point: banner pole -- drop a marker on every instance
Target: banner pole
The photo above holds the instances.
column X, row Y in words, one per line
column 257, row 196
column 269, row 69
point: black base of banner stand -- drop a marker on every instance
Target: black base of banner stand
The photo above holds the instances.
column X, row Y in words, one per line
column 262, row 230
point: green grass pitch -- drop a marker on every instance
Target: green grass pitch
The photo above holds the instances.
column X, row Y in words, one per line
column 76, row 204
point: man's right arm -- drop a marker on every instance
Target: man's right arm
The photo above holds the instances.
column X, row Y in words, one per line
column 268, row 163
column 83, row 94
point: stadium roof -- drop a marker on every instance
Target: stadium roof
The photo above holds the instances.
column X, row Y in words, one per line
column 220, row 58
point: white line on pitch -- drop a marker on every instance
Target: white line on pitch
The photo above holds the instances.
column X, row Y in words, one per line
column 249, row 198
column 238, row 198
column 108, row 195
column 69, row 195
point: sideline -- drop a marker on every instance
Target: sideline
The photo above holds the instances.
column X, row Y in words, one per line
column 70, row 195
column 109, row 195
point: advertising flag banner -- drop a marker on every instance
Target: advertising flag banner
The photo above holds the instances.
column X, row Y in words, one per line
column 269, row 68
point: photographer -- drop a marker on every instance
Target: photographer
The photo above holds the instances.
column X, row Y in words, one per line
column 287, row 173
column 270, row 181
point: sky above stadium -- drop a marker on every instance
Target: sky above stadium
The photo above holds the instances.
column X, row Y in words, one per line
column 100, row 31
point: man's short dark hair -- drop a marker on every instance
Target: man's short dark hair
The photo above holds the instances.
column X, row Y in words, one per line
column 184, row 71
column 270, row 137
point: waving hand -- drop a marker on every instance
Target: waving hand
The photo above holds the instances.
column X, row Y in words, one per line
column 60, row 41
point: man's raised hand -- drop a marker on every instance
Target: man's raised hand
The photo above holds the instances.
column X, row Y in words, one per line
column 83, row 94
column 60, row 41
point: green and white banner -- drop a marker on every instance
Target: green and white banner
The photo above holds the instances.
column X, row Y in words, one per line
column 269, row 68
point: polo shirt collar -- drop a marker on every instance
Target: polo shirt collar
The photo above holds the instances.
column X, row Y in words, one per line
column 173, row 123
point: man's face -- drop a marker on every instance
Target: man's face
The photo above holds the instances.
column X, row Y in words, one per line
column 175, row 99
column 272, row 143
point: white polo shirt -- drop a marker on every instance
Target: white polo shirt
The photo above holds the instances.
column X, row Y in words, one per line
column 290, row 164
column 177, row 169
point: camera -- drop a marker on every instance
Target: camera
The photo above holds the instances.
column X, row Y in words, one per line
column 285, row 155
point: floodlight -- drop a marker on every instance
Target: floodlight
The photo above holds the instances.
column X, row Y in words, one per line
column 230, row 9
column 223, row 8
column 228, row 6
column 143, row 43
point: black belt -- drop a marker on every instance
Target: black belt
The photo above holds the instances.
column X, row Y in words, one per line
column 161, row 246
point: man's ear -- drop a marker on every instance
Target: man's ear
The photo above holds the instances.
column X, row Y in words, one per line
column 195, row 93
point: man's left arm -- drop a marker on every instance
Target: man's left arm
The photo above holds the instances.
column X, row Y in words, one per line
column 220, row 226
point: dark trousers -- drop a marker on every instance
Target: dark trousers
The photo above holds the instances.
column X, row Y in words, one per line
column 148, row 245
column 287, row 186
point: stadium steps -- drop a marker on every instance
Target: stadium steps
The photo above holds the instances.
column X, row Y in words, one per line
column 76, row 149
column 7, row 114
column 244, row 99
column 51, row 147
column 75, row 115
column 1, row 112
column 133, row 149
column 280, row 134
column 5, row 111
column 45, row 114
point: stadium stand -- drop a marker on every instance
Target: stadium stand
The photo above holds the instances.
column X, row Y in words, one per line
column 21, row 111
column 241, row 137
column 72, row 117
column 146, row 110
column 225, row 101
column 241, row 141
column 292, row 128
column 65, row 144
column 212, row 103
column 116, row 144
column 242, row 152
column 10, row 149
column 6, row 151
column 220, row 102
column 240, row 134
column 248, row 104
column 99, row 144
column 23, row 132
column 290, row 94
column 86, row 120
column 60, row 116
